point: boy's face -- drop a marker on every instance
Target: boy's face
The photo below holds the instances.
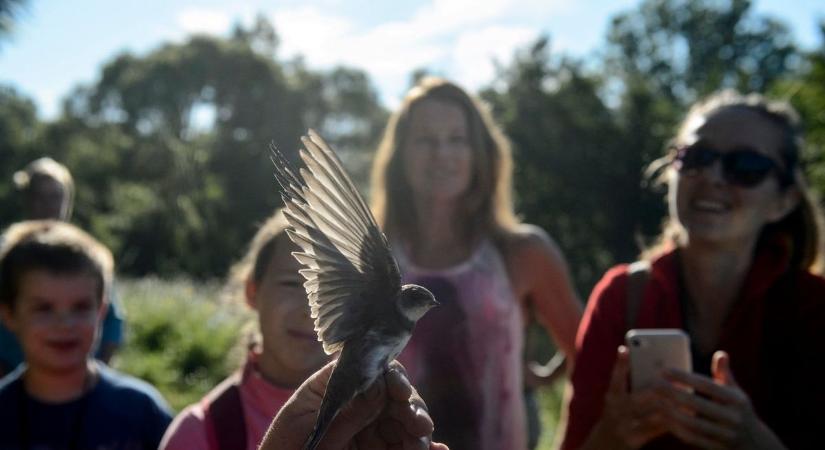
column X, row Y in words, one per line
column 290, row 344
column 55, row 318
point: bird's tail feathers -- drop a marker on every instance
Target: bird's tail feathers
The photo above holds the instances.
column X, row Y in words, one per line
column 335, row 397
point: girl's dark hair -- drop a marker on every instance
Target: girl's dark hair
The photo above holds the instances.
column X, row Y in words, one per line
column 254, row 264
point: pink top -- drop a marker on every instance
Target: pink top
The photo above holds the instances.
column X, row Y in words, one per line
column 260, row 401
column 465, row 357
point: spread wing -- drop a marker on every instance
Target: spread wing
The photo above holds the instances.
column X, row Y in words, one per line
column 349, row 270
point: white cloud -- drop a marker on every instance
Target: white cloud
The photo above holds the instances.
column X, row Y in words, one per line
column 210, row 21
column 456, row 38
column 310, row 32
column 475, row 51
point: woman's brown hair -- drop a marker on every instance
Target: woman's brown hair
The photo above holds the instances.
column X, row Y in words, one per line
column 487, row 206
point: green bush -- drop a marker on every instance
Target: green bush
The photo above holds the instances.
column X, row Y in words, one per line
column 180, row 336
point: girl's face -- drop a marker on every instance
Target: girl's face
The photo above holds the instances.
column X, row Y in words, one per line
column 290, row 347
column 707, row 202
column 437, row 156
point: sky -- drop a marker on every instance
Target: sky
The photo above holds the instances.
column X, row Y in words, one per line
column 57, row 44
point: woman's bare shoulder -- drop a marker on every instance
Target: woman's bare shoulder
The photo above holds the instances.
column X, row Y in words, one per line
column 528, row 243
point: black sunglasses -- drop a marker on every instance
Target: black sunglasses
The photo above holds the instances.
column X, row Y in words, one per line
column 743, row 167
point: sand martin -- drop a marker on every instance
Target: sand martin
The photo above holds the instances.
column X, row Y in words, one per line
column 352, row 280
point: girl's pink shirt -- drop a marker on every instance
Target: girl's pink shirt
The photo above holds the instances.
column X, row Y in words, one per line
column 260, row 400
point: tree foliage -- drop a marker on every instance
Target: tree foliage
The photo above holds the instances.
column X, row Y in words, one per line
column 686, row 49
column 171, row 149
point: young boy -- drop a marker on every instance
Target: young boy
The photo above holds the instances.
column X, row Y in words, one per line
column 53, row 283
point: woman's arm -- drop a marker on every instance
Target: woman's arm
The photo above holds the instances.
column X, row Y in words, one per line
column 600, row 410
column 541, row 279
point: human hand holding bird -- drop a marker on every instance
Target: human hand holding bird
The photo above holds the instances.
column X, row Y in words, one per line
column 353, row 282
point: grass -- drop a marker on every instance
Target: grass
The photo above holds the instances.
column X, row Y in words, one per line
column 180, row 336
column 184, row 339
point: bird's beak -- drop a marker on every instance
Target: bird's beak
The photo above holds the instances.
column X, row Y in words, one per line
column 434, row 303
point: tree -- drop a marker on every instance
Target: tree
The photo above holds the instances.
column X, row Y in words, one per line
column 806, row 91
column 19, row 129
column 8, row 12
column 171, row 149
column 687, row 49
column 566, row 158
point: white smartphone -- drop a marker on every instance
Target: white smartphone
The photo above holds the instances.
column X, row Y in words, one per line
column 652, row 350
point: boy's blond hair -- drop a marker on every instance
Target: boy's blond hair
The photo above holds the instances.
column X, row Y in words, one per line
column 52, row 246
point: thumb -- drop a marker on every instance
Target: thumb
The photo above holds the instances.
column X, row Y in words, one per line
column 357, row 415
column 618, row 378
column 720, row 369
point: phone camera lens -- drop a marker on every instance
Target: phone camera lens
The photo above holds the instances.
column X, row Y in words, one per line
column 635, row 342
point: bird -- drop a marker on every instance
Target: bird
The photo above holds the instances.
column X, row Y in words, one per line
column 353, row 283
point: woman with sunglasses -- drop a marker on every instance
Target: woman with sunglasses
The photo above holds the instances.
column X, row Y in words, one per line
column 735, row 269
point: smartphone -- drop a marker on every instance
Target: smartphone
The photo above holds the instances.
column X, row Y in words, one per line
column 653, row 350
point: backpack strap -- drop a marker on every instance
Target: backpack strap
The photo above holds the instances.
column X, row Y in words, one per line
column 637, row 276
column 225, row 424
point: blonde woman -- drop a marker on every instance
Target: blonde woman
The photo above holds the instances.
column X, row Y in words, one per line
column 441, row 189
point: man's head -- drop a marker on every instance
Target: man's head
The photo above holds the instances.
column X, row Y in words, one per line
column 47, row 188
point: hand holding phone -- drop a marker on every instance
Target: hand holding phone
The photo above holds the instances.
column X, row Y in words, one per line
column 654, row 350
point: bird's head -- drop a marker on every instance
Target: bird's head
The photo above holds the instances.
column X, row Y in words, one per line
column 414, row 301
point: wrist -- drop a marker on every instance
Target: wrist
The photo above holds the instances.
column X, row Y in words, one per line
column 605, row 435
column 763, row 438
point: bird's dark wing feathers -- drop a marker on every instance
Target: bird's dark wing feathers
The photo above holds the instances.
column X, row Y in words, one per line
column 349, row 269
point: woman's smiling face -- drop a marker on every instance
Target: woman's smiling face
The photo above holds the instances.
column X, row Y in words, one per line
column 710, row 208
column 437, row 155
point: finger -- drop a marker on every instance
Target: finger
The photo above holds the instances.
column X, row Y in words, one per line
column 317, row 382
column 647, row 428
column 391, row 431
column 438, row 446
column 408, row 408
column 357, row 414
column 398, row 367
column 398, row 386
column 369, row 438
column 293, row 423
column 720, row 368
column 618, row 378
column 415, row 420
column 698, row 431
column 415, row 444
column 704, row 407
column 705, row 385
